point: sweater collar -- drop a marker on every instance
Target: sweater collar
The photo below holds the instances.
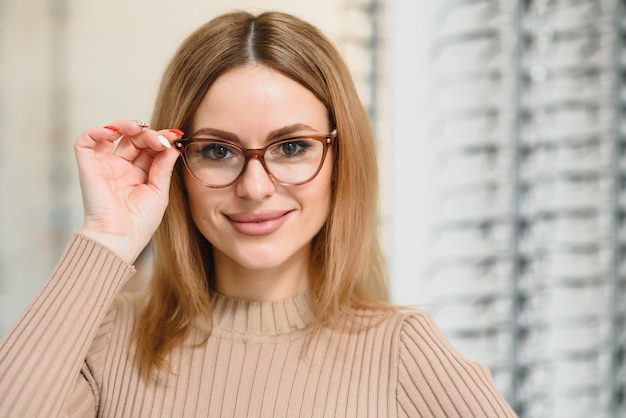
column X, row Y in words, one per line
column 253, row 320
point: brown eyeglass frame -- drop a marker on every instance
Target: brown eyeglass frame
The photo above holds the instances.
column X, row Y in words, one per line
column 257, row 153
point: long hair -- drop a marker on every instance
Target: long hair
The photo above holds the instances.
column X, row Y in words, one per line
column 346, row 259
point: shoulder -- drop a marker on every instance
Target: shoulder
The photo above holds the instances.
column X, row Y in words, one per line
column 423, row 349
column 410, row 321
column 122, row 313
column 409, row 327
column 420, row 335
column 116, row 328
column 125, row 307
column 433, row 376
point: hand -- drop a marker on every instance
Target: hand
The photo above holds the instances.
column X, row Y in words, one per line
column 125, row 187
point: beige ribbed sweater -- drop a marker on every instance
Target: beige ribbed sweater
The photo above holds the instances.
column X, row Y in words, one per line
column 67, row 356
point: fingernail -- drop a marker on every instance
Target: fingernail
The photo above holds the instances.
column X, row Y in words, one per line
column 112, row 128
column 163, row 140
column 177, row 131
column 140, row 123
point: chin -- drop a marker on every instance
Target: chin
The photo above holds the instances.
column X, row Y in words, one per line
column 270, row 257
column 262, row 260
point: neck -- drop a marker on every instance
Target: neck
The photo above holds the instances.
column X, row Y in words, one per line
column 261, row 284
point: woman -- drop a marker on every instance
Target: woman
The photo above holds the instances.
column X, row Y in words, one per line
column 269, row 295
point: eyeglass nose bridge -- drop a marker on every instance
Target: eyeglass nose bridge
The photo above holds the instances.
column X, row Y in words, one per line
column 257, row 154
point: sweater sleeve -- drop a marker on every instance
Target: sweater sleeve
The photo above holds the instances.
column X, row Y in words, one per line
column 42, row 355
column 435, row 381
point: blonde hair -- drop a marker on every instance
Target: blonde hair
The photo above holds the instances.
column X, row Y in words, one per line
column 346, row 259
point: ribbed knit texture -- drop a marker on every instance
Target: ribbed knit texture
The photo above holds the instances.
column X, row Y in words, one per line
column 69, row 355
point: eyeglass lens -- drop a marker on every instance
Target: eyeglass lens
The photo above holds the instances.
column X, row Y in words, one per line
column 291, row 161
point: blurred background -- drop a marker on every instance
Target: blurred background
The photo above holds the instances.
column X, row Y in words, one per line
column 500, row 130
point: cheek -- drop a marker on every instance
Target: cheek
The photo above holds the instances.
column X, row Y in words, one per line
column 202, row 200
column 322, row 195
column 327, row 175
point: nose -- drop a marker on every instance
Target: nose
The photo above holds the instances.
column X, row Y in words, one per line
column 255, row 183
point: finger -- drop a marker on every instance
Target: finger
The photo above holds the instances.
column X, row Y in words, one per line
column 131, row 127
column 94, row 136
column 160, row 174
column 145, row 158
column 101, row 139
column 152, row 142
column 144, row 162
column 97, row 139
column 120, row 127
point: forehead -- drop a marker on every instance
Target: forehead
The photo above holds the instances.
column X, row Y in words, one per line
column 254, row 100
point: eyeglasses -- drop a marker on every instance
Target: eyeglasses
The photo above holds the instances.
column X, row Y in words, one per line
column 291, row 161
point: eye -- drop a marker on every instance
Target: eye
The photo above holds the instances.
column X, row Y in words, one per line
column 215, row 151
column 292, row 148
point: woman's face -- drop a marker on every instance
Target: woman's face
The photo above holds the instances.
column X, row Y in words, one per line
column 258, row 224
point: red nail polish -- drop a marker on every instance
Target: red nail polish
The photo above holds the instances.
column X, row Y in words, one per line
column 177, row 131
column 111, row 127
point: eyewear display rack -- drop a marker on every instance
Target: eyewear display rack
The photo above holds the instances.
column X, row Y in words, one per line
column 528, row 260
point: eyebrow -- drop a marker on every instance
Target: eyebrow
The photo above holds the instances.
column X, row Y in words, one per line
column 275, row 134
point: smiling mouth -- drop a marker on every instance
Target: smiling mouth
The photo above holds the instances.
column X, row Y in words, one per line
column 257, row 224
column 249, row 217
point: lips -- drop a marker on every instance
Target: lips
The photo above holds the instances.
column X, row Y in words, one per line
column 256, row 224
